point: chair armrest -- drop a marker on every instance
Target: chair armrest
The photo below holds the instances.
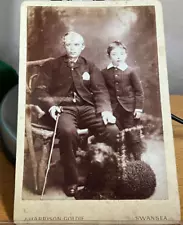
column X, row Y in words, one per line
column 36, row 110
column 39, row 128
column 46, row 134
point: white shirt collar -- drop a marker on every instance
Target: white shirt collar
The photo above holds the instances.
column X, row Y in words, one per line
column 74, row 61
column 122, row 67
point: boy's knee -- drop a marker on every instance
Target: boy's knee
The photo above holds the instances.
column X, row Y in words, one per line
column 112, row 131
column 133, row 136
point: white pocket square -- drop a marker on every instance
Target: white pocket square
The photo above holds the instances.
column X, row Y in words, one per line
column 86, row 76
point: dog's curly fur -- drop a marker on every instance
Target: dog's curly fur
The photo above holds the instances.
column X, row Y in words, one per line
column 101, row 178
column 102, row 181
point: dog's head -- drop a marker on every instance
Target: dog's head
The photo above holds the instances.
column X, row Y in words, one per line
column 100, row 155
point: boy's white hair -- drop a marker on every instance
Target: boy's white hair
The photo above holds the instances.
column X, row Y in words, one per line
column 73, row 33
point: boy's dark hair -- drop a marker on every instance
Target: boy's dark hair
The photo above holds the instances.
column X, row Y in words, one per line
column 115, row 44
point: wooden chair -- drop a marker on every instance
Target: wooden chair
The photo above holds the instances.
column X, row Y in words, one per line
column 34, row 129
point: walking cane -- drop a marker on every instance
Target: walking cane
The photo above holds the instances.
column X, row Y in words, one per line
column 51, row 151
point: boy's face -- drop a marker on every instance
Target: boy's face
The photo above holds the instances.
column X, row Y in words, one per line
column 74, row 45
column 118, row 55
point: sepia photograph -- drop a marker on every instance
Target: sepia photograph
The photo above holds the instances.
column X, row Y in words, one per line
column 94, row 125
column 114, row 72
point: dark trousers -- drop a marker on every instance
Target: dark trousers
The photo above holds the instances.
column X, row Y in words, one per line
column 126, row 119
column 74, row 117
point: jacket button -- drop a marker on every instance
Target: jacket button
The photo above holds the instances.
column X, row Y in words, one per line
column 117, row 96
column 116, row 75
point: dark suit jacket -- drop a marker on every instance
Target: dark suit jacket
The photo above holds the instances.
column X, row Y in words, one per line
column 56, row 79
column 124, row 88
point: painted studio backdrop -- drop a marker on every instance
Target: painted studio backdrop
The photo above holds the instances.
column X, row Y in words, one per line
column 136, row 28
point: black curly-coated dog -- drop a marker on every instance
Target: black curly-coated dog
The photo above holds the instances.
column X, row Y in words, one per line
column 101, row 178
column 104, row 180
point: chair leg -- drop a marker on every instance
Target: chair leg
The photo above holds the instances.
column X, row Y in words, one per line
column 28, row 130
column 42, row 166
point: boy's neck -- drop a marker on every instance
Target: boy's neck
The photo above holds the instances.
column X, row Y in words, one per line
column 74, row 60
column 122, row 66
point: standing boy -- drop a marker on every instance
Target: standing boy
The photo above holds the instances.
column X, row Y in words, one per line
column 126, row 94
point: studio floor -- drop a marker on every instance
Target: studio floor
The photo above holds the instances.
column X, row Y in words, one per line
column 154, row 156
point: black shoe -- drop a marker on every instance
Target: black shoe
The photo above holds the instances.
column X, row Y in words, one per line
column 71, row 190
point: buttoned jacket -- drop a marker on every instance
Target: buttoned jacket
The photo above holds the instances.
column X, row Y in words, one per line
column 124, row 88
column 56, row 78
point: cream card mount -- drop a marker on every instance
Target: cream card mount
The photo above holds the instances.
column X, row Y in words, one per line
column 150, row 183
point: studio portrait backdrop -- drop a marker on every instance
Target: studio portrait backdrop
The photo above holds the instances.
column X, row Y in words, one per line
column 133, row 26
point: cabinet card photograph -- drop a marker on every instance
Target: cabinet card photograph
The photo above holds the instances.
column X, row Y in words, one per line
column 95, row 141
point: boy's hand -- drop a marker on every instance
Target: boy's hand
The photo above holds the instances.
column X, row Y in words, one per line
column 137, row 113
column 108, row 117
